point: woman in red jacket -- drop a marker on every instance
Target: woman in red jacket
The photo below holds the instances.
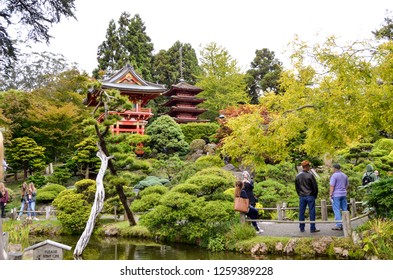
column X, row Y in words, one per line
column 3, row 198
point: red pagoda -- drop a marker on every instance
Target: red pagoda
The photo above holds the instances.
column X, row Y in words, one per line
column 139, row 92
column 183, row 103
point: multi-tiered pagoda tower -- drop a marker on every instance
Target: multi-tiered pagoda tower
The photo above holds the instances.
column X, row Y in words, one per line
column 183, row 103
column 139, row 92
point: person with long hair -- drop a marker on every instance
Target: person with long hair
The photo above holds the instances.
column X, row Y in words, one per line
column 32, row 193
column 248, row 186
column 252, row 212
column 24, row 199
column 3, row 198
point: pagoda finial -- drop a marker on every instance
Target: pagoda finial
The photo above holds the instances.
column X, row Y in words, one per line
column 181, row 63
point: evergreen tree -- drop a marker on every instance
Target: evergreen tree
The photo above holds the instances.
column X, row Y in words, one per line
column 222, row 83
column 179, row 60
column 24, row 154
column 167, row 138
column 127, row 43
column 35, row 16
column 264, row 74
column 386, row 31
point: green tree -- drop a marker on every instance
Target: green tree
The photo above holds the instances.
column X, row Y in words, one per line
column 222, row 83
column 334, row 101
column 85, row 156
column 24, row 154
column 126, row 43
column 386, row 30
column 264, row 74
column 36, row 17
column 166, row 138
column 179, row 61
column 15, row 105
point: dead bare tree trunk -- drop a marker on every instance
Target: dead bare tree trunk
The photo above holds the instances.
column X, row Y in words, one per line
column 97, row 205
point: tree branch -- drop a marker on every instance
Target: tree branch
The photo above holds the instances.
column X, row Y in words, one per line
column 298, row 109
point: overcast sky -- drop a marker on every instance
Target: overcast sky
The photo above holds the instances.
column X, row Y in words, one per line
column 241, row 27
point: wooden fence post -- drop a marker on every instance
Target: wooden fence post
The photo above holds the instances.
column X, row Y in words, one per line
column 324, row 210
column 47, row 212
column 242, row 218
column 279, row 213
column 284, row 206
column 14, row 213
column 353, row 207
column 346, row 224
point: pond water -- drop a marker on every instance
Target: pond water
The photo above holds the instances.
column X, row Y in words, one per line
column 134, row 249
column 111, row 248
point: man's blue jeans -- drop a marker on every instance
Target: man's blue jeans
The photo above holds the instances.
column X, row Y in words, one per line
column 339, row 203
column 303, row 203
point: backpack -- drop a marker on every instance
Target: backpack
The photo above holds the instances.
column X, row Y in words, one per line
column 367, row 179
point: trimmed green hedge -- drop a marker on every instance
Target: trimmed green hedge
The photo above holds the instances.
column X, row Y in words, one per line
column 194, row 131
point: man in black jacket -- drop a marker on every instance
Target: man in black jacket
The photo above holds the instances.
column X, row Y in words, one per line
column 307, row 190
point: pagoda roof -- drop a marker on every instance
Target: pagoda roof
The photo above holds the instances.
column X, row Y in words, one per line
column 182, row 87
column 176, row 99
column 129, row 83
column 127, row 80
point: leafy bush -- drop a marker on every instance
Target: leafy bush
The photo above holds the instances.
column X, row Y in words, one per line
column 194, row 131
column 384, row 144
column 239, row 232
column 186, row 188
column 48, row 193
column 209, row 161
column 151, row 181
column 146, row 202
column 72, row 211
column 153, row 189
column 87, row 187
column 377, row 238
column 197, row 144
column 38, row 180
column 379, row 196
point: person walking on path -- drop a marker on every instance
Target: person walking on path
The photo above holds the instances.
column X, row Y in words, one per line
column 32, row 193
column 248, row 185
column 3, row 199
column 338, row 194
column 252, row 212
column 307, row 190
column 369, row 176
column 24, row 199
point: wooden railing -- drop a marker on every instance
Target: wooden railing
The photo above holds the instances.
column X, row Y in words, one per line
column 281, row 208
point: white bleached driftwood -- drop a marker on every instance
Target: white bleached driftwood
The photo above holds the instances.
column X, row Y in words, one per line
column 97, row 205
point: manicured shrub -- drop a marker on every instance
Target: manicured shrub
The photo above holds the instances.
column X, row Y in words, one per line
column 151, row 181
column 186, row 188
column 197, row 144
column 384, row 144
column 153, row 189
column 48, row 193
column 209, row 161
column 194, row 131
column 72, row 211
column 146, row 202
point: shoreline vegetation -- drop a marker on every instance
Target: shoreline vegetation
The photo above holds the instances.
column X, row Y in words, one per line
column 260, row 247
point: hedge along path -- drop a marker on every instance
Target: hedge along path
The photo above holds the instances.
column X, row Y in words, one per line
column 97, row 205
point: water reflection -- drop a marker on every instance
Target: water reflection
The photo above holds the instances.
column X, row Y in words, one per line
column 133, row 249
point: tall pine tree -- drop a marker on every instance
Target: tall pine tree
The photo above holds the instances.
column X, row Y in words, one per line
column 125, row 43
column 264, row 74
